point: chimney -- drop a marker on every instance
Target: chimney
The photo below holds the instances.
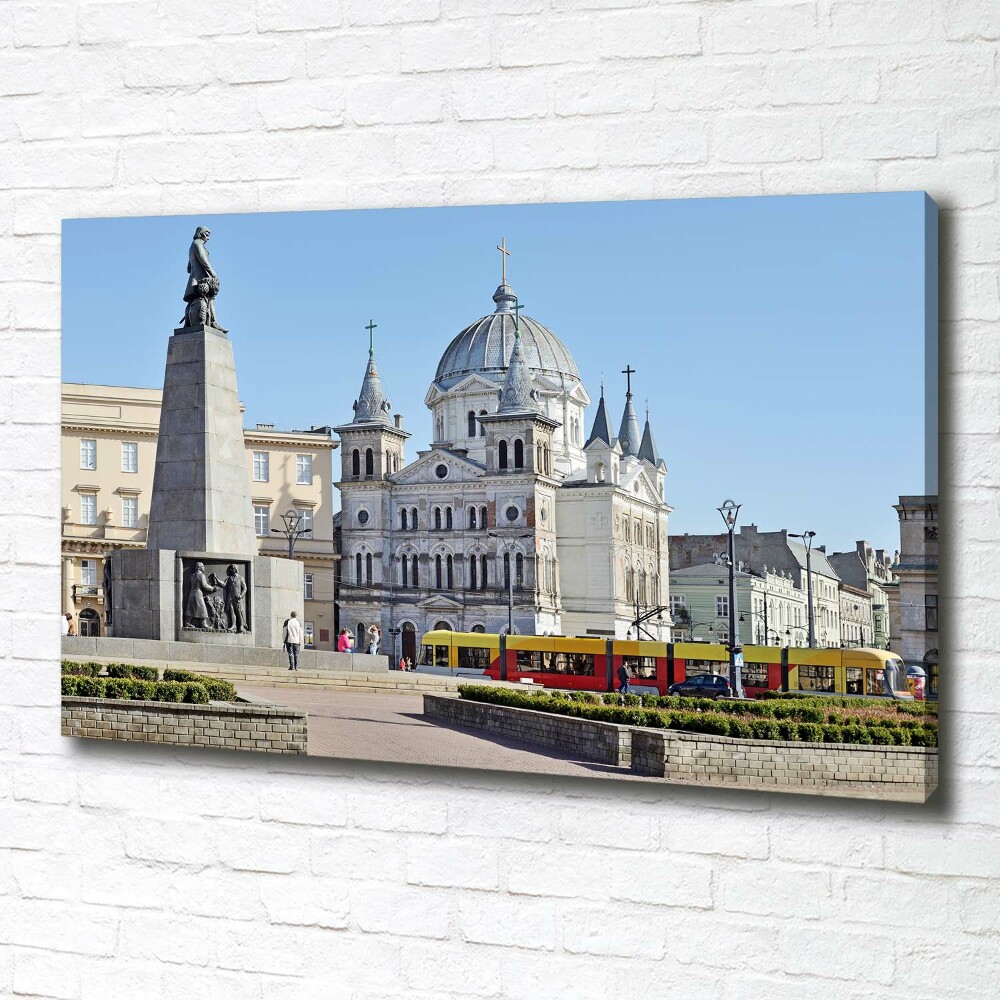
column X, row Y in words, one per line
column 398, row 421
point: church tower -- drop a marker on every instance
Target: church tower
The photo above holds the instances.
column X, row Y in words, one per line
column 372, row 449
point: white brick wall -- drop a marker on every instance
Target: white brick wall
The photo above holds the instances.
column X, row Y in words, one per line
column 130, row 872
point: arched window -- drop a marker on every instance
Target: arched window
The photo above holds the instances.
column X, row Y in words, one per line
column 478, row 628
column 413, row 518
column 369, row 462
column 450, row 572
column 437, row 518
column 502, row 455
column 403, row 571
column 482, row 518
column 355, row 463
column 599, row 472
column 482, row 427
column 472, row 572
column 538, row 457
column 415, row 572
column 547, row 455
column 449, row 522
column 472, row 517
column 402, row 519
column 519, row 571
column 357, row 569
column 518, row 454
column 368, row 569
column 472, row 423
column 629, row 584
column 484, row 576
column 437, row 572
column 506, row 569
column 642, row 586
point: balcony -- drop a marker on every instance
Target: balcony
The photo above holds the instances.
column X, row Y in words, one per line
column 82, row 590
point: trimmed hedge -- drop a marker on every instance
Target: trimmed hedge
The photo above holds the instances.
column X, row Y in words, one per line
column 80, row 669
column 133, row 670
column 141, row 683
column 810, row 729
column 135, row 689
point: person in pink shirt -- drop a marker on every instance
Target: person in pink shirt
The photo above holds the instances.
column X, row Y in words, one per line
column 345, row 642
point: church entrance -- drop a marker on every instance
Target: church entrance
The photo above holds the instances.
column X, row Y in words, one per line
column 409, row 641
column 90, row 622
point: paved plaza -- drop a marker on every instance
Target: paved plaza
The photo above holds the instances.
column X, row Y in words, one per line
column 392, row 727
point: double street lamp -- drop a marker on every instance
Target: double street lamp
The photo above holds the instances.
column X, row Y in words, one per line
column 807, row 540
column 730, row 511
column 292, row 519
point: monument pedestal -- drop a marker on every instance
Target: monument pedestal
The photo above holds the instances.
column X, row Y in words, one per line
column 149, row 596
column 201, row 512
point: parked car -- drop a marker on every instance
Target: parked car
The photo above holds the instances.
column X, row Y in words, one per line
column 703, row 686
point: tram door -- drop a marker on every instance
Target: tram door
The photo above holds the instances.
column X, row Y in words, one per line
column 409, row 642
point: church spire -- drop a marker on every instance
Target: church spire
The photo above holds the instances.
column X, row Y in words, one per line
column 628, row 433
column 516, row 394
column 371, row 403
column 600, row 430
column 647, row 450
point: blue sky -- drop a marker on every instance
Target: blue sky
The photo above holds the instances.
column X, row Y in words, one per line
column 779, row 341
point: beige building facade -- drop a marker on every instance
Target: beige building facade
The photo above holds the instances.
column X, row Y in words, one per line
column 109, row 436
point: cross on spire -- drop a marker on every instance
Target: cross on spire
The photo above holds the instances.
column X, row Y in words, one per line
column 371, row 328
column 628, row 371
column 505, row 254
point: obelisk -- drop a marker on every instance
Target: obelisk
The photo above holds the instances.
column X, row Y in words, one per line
column 201, row 529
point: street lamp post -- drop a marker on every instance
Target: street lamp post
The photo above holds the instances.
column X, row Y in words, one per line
column 291, row 530
column 807, row 539
column 767, row 630
column 730, row 511
column 509, row 563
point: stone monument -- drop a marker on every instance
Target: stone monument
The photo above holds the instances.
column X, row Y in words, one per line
column 200, row 578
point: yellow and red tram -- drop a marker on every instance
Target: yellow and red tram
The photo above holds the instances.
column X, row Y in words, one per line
column 589, row 664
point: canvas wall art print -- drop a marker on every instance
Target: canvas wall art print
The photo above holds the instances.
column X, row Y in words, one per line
column 638, row 491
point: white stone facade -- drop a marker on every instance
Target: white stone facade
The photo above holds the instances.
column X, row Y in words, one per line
column 508, row 520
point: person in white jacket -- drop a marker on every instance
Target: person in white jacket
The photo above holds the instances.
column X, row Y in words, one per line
column 293, row 640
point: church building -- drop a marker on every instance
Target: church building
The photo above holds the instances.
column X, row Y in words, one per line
column 512, row 519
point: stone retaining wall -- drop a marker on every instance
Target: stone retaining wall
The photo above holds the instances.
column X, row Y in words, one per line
column 584, row 739
column 783, row 765
column 189, row 654
column 270, row 729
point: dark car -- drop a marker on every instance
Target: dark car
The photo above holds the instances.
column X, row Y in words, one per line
column 703, row 686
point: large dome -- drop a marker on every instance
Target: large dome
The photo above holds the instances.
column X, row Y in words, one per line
column 484, row 347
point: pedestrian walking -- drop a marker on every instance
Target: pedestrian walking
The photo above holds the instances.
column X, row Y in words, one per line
column 374, row 638
column 623, row 679
column 409, row 663
column 293, row 640
column 64, row 623
column 402, row 663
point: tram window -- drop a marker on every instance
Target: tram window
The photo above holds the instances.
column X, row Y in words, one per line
column 641, row 667
column 440, row 656
column 705, row 667
column 582, row 663
column 854, row 675
column 427, row 659
column 813, row 678
column 754, row 675
column 529, row 661
column 873, row 681
column 474, row 657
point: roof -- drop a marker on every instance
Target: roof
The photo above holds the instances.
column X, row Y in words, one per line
column 485, row 347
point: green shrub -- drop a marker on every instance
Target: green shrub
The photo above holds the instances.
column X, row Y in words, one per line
column 810, row 732
column 90, row 687
column 741, row 728
column 74, row 669
column 654, row 719
column 132, row 670
column 924, row 738
column 765, row 729
column 788, row 730
column 169, row 691
column 170, row 674
column 115, row 687
column 196, row 694
column 835, row 719
column 880, row 736
column 69, row 682
column 832, row 733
